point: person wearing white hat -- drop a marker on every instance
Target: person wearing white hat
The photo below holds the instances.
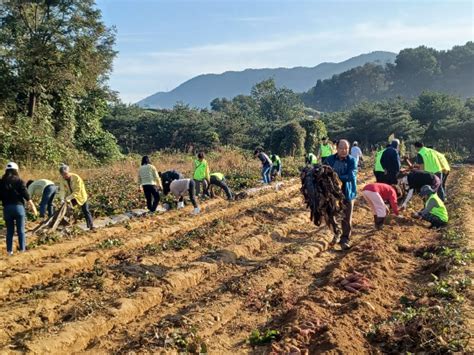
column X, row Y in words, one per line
column 356, row 152
column 13, row 194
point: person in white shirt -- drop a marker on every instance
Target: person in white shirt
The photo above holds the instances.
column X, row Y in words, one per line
column 356, row 153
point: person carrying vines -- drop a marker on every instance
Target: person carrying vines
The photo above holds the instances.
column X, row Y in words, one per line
column 73, row 190
column 276, row 167
column 150, row 182
column 266, row 164
column 376, row 195
column 13, row 194
column 345, row 167
column 46, row 190
column 201, row 174
column 218, row 179
column 325, row 150
column 435, row 211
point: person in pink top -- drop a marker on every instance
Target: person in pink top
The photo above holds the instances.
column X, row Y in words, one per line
column 376, row 195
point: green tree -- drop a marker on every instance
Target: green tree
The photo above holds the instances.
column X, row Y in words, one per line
column 288, row 139
column 315, row 131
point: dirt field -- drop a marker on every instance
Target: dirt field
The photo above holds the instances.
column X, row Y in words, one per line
column 176, row 282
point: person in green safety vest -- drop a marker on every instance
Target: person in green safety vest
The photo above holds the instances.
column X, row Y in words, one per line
column 201, row 174
column 379, row 172
column 435, row 211
column 446, row 168
column 428, row 160
column 276, row 166
column 218, row 179
column 325, row 150
column 310, row 159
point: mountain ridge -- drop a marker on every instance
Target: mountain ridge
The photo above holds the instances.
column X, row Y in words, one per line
column 200, row 90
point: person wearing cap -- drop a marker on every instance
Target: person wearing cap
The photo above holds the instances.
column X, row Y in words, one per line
column 311, row 159
column 415, row 180
column 72, row 190
column 218, row 179
column 14, row 194
column 427, row 159
column 435, row 211
column 150, row 182
column 376, row 194
column 266, row 164
column 356, row 153
column 201, row 174
column 345, row 167
column 325, row 150
column 46, row 190
column 390, row 162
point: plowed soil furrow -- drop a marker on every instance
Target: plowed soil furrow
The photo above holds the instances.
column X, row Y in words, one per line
column 47, row 271
column 73, row 337
column 247, row 224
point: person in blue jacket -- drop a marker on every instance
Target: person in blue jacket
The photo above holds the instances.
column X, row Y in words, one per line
column 346, row 168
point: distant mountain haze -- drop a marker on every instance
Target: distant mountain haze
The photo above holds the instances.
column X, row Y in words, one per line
column 201, row 90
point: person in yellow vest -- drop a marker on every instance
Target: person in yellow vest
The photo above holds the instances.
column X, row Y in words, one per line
column 379, row 171
column 326, row 149
column 218, row 179
column 446, row 168
column 73, row 190
column 427, row 160
column 150, row 182
column 46, row 190
column 435, row 211
column 310, row 159
column 202, row 174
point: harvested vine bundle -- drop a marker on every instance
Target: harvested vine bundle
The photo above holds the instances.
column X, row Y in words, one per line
column 323, row 195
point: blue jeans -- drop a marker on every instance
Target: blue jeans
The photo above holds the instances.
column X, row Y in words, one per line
column 47, row 200
column 15, row 214
column 266, row 169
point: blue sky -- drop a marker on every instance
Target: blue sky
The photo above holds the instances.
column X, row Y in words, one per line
column 163, row 43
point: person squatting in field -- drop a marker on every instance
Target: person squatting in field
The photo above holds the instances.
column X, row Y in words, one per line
column 150, row 182
column 46, row 190
column 72, row 190
column 376, row 194
column 218, row 179
column 345, row 167
column 14, row 194
column 266, row 164
column 434, row 211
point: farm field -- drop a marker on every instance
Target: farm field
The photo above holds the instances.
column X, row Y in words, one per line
column 174, row 282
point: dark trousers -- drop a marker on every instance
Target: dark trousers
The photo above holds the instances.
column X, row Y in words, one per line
column 379, row 176
column 47, row 201
column 222, row 184
column 85, row 211
column 347, row 221
column 434, row 220
column 197, row 186
column 152, row 197
column 445, row 177
column 192, row 193
column 441, row 193
column 15, row 215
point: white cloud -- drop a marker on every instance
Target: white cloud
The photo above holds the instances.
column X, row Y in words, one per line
column 164, row 70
